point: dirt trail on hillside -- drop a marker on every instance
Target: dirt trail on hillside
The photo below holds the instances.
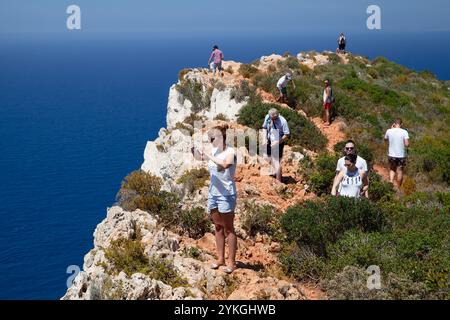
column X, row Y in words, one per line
column 258, row 269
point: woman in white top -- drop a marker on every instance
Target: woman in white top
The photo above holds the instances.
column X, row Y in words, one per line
column 222, row 195
column 351, row 180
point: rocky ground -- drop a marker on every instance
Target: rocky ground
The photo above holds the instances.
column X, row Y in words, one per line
column 259, row 274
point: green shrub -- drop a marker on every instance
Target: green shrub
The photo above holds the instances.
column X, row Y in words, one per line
column 333, row 58
column 221, row 117
column 376, row 93
column 141, row 190
column 247, row 70
column 267, row 81
column 257, row 218
column 244, row 90
column 128, row 255
column 192, row 252
column 193, row 91
column 303, row 131
column 322, row 175
column 194, row 179
column 380, row 190
column 351, row 284
column 195, row 222
column 301, row 262
column 318, row 223
column 432, row 157
column 288, row 64
column 346, row 106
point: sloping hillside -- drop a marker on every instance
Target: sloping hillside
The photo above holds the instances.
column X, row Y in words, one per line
column 295, row 242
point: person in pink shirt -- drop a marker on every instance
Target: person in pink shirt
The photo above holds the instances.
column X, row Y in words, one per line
column 216, row 59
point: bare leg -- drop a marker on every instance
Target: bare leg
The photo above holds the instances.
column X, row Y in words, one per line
column 399, row 176
column 277, row 167
column 392, row 170
column 220, row 236
column 327, row 117
column 228, row 220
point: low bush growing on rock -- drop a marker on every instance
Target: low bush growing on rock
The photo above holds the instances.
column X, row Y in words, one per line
column 247, row 70
column 257, row 218
column 242, row 91
column 195, row 222
column 337, row 239
column 141, row 190
column 128, row 255
column 193, row 91
column 194, row 179
column 318, row 223
column 320, row 173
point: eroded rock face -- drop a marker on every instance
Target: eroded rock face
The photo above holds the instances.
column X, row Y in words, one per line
column 169, row 157
column 94, row 282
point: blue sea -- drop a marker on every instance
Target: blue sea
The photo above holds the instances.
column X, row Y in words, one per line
column 76, row 111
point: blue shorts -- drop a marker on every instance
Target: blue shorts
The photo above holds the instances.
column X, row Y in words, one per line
column 224, row 204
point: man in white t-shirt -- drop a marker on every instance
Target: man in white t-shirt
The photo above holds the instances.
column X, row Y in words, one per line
column 282, row 87
column 361, row 164
column 398, row 139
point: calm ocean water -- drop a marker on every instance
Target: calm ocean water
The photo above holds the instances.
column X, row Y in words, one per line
column 75, row 115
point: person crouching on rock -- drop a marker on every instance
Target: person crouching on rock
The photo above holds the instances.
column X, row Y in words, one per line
column 222, row 195
column 282, row 87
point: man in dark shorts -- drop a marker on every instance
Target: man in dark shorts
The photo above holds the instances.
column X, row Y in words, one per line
column 277, row 133
column 341, row 44
column 398, row 139
column 282, row 87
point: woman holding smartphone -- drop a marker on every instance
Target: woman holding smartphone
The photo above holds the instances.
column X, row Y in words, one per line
column 222, row 195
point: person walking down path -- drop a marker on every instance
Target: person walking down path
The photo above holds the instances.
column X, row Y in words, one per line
column 215, row 60
column 222, row 195
column 282, row 87
column 361, row 164
column 352, row 181
column 342, row 42
column 328, row 100
column 398, row 139
column 276, row 131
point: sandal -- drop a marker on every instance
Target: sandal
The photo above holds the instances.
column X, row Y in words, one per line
column 215, row 265
column 229, row 270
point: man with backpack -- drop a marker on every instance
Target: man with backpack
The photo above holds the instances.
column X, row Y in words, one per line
column 328, row 100
column 341, row 44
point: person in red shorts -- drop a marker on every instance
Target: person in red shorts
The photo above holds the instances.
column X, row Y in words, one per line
column 328, row 100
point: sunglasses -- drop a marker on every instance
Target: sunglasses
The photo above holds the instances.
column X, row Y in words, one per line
column 349, row 148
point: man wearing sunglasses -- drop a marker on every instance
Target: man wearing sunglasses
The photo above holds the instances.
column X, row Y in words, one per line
column 361, row 164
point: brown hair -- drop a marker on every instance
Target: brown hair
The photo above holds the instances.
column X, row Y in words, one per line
column 398, row 121
column 222, row 128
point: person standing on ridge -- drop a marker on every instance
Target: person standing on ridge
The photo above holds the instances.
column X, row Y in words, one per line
column 398, row 140
column 361, row 164
column 276, row 130
column 342, row 42
column 216, row 58
column 328, row 100
column 222, row 194
column 282, row 87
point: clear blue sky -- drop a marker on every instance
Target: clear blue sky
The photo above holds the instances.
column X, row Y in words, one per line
column 230, row 16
